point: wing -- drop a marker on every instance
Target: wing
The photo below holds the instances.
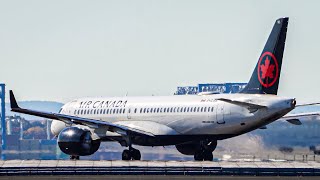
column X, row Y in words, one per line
column 92, row 123
column 294, row 118
column 308, row 104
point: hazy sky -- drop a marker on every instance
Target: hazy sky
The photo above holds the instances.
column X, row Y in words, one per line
column 60, row 50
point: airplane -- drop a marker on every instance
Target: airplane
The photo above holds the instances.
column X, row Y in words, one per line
column 193, row 123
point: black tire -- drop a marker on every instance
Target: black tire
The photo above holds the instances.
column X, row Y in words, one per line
column 126, row 155
column 198, row 156
column 74, row 157
column 207, row 156
column 136, row 155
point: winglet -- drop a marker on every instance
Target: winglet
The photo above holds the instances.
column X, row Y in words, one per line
column 13, row 102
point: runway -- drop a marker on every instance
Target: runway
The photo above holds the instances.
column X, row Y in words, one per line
column 158, row 177
column 186, row 168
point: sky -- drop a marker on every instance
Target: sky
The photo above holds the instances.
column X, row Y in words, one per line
column 61, row 50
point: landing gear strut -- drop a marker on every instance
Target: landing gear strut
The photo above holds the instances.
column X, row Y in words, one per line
column 74, row 157
column 131, row 154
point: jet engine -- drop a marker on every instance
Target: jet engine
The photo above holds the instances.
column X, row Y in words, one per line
column 77, row 142
column 190, row 148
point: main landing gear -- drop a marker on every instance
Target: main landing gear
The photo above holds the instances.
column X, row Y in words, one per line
column 74, row 157
column 203, row 156
column 131, row 154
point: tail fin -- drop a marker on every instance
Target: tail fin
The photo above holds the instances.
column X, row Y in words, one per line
column 266, row 75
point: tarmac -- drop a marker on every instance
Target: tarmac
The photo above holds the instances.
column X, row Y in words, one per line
column 159, row 169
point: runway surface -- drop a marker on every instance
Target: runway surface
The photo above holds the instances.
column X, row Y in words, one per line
column 161, row 177
column 159, row 168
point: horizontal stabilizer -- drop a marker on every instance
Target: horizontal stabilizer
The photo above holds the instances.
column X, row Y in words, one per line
column 247, row 105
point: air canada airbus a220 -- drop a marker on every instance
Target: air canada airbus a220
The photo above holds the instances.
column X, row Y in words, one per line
column 193, row 124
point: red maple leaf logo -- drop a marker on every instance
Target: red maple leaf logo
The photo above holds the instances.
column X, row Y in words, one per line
column 267, row 69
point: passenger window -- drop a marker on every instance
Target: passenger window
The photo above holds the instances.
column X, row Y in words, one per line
column 135, row 110
column 141, row 110
column 205, row 109
column 201, row 109
column 114, row 111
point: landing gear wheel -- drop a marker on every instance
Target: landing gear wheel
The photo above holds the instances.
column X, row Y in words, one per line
column 198, row 156
column 207, row 156
column 203, row 156
column 136, row 155
column 126, row 155
column 132, row 154
column 74, row 157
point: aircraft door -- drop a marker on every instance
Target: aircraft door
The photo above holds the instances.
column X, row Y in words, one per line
column 220, row 114
column 129, row 111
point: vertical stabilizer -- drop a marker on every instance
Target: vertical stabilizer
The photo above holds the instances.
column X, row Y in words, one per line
column 266, row 75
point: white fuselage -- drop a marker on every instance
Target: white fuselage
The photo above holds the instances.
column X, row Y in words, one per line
column 179, row 115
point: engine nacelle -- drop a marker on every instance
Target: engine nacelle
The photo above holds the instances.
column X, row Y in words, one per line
column 190, row 148
column 57, row 127
column 77, row 142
